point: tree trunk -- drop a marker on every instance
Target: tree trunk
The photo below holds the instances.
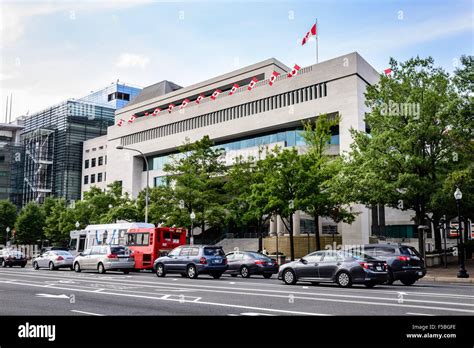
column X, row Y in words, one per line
column 316, row 232
column 259, row 234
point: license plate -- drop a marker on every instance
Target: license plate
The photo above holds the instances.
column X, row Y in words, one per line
column 420, row 273
column 378, row 268
column 270, row 264
column 216, row 261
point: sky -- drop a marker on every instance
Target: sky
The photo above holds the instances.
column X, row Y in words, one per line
column 54, row 50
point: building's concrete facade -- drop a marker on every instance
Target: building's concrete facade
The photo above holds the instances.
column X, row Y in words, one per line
column 259, row 116
column 94, row 164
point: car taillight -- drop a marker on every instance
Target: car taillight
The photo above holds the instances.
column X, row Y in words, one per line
column 112, row 256
column 385, row 266
column 59, row 258
column 225, row 261
column 9, row 257
column 203, row 260
column 364, row 265
column 403, row 258
column 259, row 262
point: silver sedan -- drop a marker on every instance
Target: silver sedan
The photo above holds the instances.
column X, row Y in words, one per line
column 54, row 259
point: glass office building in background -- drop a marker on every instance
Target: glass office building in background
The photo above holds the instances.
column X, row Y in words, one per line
column 52, row 140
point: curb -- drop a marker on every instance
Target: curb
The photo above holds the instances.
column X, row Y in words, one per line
column 448, row 279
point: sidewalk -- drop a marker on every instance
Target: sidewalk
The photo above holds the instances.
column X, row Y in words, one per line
column 448, row 275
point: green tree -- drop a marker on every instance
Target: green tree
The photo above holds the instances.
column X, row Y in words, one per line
column 8, row 216
column 54, row 209
column 419, row 133
column 197, row 177
column 318, row 192
column 29, row 224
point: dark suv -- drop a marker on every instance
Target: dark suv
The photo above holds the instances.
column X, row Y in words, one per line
column 404, row 262
column 12, row 258
column 192, row 260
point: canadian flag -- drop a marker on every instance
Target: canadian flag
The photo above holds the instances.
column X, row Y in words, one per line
column 310, row 33
column 198, row 99
column 295, row 70
column 170, row 107
column 156, row 112
column 146, row 113
column 132, row 118
column 184, row 103
column 120, row 123
column 234, row 88
column 388, row 72
column 252, row 84
column 273, row 78
column 215, row 94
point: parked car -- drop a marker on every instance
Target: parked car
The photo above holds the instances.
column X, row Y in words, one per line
column 192, row 260
column 12, row 258
column 247, row 263
column 45, row 249
column 54, row 259
column 332, row 266
column 104, row 258
column 404, row 262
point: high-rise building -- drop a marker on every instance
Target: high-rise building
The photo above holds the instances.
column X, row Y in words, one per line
column 52, row 141
column 11, row 164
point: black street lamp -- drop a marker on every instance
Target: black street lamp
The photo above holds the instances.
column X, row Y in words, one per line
column 462, row 270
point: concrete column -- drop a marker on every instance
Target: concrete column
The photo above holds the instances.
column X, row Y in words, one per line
column 281, row 230
column 296, row 223
column 273, row 225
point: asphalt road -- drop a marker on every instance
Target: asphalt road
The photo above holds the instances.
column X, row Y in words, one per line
column 63, row 292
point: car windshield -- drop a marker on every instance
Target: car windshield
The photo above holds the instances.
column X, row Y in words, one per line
column 408, row 251
column 61, row 252
column 214, row 252
column 258, row 256
column 356, row 255
column 118, row 250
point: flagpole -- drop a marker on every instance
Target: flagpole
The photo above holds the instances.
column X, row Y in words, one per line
column 317, row 40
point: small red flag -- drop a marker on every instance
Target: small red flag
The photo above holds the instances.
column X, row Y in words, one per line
column 273, row 78
column 132, row 118
column 252, row 84
column 295, row 70
column 215, row 94
column 310, row 33
column 184, row 103
column 198, row 99
column 146, row 113
column 156, row 112
column 234, row 88
column 170, row 108
column 388, row 72
column 120, row 123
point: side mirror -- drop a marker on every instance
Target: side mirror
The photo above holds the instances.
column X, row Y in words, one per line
column 302, row 260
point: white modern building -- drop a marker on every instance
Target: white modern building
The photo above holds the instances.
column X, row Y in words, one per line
column 94, row 162
column 242, row 121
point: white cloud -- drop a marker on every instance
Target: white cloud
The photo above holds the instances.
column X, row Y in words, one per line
column 130, row 60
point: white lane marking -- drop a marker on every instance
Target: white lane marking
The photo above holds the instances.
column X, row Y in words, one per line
column 268, row 309
column 254, row 314
column 305, row 287
column 90, row 313
column 231, row 283
column 52, row 296
column 229, row 290
column 329, row 289
column 185, row 301
column 425, row 314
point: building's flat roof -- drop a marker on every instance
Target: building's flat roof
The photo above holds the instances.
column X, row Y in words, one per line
column 10, row 127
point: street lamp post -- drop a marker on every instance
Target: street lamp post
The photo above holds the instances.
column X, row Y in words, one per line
column 462, row 270
column 6, row 238
column 191, row 235
column 120, row 147
column 77, row 225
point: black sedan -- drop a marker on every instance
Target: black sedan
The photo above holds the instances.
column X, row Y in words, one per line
column 12, row 258
column 331, row 266
column 247, row 263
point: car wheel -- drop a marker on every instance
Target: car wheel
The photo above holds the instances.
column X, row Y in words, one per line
column 23, row 265
column 51, row 266
column 233, row 275
column 192, row 272
column 315, row 283
column 216, row 275
column 370, row 284
column 289, row 277
column 244, row 272
column 267, row 275
column 71, row 268
column 391, row 279
column 10, row 266
column 184, row 275
column 160, row 270
column 77, row 267
column 4, row 263
column 126, row 271
column 343, row 279
column 35, row 265
column 408, row 281
column 101, row 268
